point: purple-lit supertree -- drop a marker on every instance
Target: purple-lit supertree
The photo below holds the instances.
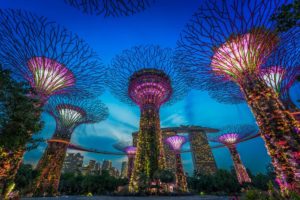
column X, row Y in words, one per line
column 130, row 152
column 145, row 75
column 68, row 113
column 230, row 137
column 232, row 40
column 176, row 143
column 51, row 59
column 113, row 8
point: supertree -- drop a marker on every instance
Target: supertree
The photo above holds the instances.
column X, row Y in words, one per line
column 230, row 137
column 231, row 40
column 146, row 76
column 113, row 8
column 68, row 113
column 176, row 143
column 130, row 152
column 51, row 59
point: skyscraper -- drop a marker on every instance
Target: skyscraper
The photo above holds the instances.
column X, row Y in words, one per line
column 107, row 165
column 124, row 169
column 73, row 163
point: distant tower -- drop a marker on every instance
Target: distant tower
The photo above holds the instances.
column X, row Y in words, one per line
column 176, row 143
column 72, row 163
column 124, row 169
column 69, row 113
column 203, row 159
column 107, row 165
column 130, row 152
column 145, row 75
column 230, row 137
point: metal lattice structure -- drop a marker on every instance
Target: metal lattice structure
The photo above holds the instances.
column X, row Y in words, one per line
column 283, row 66
column 130, row 151
column 146, row 75
column 230, row 137
column 51, row 58
column 114, row 8
column 232, row 40
column 176, row 143
column 68, row 113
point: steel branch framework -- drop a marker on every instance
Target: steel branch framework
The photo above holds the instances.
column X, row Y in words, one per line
column 108, row 8
column 230, row 137
column 146, row 76
column 50, row 58
column 232, row 40
column 176, row 143
column 68, row 113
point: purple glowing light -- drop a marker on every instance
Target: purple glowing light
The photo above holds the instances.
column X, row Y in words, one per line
column 229, row 138
column 176, row 142
column 130, row 150
column 49, row 76
column 243, row 54
column 273, row 76
column 150, row 87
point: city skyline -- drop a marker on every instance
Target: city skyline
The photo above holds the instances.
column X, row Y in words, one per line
column 123, row 119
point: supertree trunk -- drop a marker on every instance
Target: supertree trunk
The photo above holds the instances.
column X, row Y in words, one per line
column 130, row 166
column 278, row 129
column 150, row 154
column 10, row 161
column 241, row 172
column 49, row 168
column 180, row 177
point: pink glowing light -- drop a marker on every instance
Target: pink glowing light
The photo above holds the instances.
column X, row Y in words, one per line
column 176, row 142
column 150, row 87
column 273, row 77
column 70, row 115
column 229, row 138
column 243, row 54
column 130, row 150
column 48, row 76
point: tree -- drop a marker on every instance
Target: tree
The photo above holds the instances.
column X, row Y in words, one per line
column 288, row 16
column 21, row 121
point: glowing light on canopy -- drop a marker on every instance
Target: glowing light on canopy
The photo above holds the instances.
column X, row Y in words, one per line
column 130, row 150
column 176, row 142
column 243, row 54
column 49, row 76
column 273, row 76
column 229, row 138
column 150, row 86
column 70, row 115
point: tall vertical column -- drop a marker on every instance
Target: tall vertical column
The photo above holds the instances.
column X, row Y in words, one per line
column 241, row 172
column 278, row 130
column 203, row 158
column 180, row 176
column 150, row 152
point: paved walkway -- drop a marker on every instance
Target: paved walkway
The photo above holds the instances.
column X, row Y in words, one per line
column 130, row 198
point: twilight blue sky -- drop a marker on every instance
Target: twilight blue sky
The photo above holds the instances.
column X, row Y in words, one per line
column 159, row 24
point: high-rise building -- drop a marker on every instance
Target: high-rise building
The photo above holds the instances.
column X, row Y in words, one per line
column 72, row 163
column 203, row 159
column 107, row 165
column 124, row 169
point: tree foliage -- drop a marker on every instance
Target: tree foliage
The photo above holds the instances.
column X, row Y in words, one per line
column 21, row 117
column 288, row 16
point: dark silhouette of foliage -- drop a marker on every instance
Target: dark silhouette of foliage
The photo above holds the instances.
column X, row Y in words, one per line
column 114, row 8
column 287, row 16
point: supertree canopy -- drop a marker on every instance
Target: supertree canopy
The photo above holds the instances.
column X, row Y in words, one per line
column 113, row 8
column 146, row 76
column 68, row 113
column 130, row 152
column 232, row 40
column 231, row 136
column 176, row 143
column 52, row 59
